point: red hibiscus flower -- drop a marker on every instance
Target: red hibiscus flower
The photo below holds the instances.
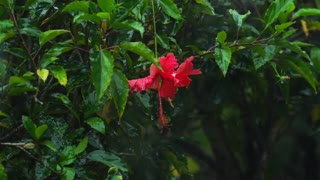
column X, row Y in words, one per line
column 166, row 81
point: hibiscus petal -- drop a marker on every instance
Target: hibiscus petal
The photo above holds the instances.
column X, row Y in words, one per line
column 185, row 69
column 142, row 83
column 168, row 63
column 168, row 89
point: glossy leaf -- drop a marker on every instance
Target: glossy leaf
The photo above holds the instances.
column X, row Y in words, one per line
column 50, row 34
column 208, row 8
column 275, row 9
column 101, row 70
column 29, row 126
column 315, row 58
column 97, row 124
column 81, row 146
column 40, row 130
column 130, row 24
column 238, row 18
column 300, row 67
column 43, row 74
column 60, row 74
column 63, row 98
column 107, row 5
column 223, row 58
column 82, row 6
column 306, row 12
column 119, row 91
column 108, row 159
column 142, row 50
column 170, row 8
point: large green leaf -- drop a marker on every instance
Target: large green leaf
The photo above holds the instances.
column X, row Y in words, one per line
column 275, row 9
column 50, row 34
column 107, row 5
column 130, row 24
column 238, row 18
column 142, row 50
column 97, row 124
column 108, row 159
column 29, row 126
column 223, row 58
column 306, row 12
column 315, row 58
column 6, row 35
column 119, row 91
column 208, row 9
column 302, row 68
column 60, row 74
column 101, row 70
column 170, row 8
column 281, row 27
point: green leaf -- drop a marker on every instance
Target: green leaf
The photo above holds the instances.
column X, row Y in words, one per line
column 260, row 59
column 7, row 35
column 49, row 144
column 101, row 70
column 315, row 58
column 68, row 173
column 119, row 91
column 302, row 68
column 238, row 18
column 50, row 34
column 275, row 9
column 4, row 114
column 60, row 74
column 40, row 130
column 208, row 8
column 306, row 12
column 29, row 126
column 142, row 50
column 82, row 6
column 3, row 173
column 19, row 85
column 108, row 159
column 130, row 24
column 281, row 27
column 221, row 37
column 6, row 25
column 97, row 124
column 107, row 5
column 163, row 40
column 43, row 74
column 117, row 177
column 170, row 8
column 31, row 31
column 64, row 99
column 81, row 146
column 293, row 46
column 223, row 58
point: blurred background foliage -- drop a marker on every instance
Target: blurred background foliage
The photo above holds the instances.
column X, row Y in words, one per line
column 66, row 111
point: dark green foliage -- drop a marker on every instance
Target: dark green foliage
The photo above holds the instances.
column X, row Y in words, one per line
column 66, row 110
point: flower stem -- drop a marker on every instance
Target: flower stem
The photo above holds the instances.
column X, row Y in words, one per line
column 154, row 29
